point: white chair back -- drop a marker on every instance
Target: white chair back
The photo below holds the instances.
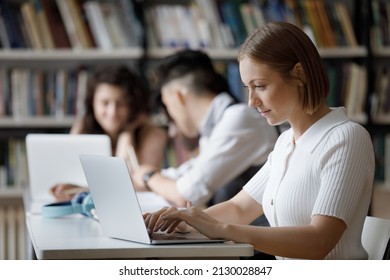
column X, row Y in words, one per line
column 375, row 237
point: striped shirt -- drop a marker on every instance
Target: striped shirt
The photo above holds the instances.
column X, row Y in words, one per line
column 328, row 171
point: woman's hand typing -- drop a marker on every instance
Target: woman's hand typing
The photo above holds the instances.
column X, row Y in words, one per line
column 172, row 219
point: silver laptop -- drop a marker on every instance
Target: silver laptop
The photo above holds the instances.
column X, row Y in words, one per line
column 117, row 205
column 54, row 158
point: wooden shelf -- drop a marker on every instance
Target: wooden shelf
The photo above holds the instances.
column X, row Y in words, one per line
column 69, row 55
column 11, row 196
column 158, row 53
column 337, row 52
column 381, row 52
column 101, row 55
column 41, row 122
column 343, row 52
column 136, row 53
column 381, row 119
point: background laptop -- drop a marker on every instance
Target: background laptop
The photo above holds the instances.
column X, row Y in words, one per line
column 54, row 158
column 117, row 205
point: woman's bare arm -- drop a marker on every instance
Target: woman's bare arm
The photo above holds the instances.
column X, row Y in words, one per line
column 228, row 221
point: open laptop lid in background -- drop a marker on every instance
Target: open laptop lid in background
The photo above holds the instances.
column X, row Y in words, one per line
column 54, row 158
column 117, row 205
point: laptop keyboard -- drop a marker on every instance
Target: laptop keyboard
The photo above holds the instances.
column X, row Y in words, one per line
column 165, row 236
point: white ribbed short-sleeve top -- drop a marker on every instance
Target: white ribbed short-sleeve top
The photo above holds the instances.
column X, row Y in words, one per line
column 328, row 171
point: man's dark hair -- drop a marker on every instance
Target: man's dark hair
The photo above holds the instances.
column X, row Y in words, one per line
column 196, row 64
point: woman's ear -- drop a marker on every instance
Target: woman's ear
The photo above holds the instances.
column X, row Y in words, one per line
column 299, row 74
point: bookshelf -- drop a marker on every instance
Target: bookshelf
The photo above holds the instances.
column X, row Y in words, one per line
column 379, row 126
column 19, row 53
column 217, row 26
column 46, row 46
column 19, row 50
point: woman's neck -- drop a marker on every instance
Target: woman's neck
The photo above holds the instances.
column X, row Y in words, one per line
column 306, row 120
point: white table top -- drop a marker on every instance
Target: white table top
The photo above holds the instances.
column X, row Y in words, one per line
column 78, row 237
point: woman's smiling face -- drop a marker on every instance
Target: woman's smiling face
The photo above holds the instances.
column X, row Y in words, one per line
column 274, row 97
column 110, row 108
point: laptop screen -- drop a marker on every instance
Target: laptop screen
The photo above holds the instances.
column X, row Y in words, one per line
column 54, row 158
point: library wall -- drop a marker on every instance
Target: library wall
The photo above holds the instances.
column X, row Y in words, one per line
column 49, row 47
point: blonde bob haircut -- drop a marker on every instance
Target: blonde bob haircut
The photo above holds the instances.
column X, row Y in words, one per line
column 282, row 45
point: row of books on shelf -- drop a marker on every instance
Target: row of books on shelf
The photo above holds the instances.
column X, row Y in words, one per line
column 380, row 29
column 381, row 143
column 226, row 23
column 348, row 88
column 70, row 24
column 380, row 99
column 13, row 164
column 84, row 24
column 28, row 92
